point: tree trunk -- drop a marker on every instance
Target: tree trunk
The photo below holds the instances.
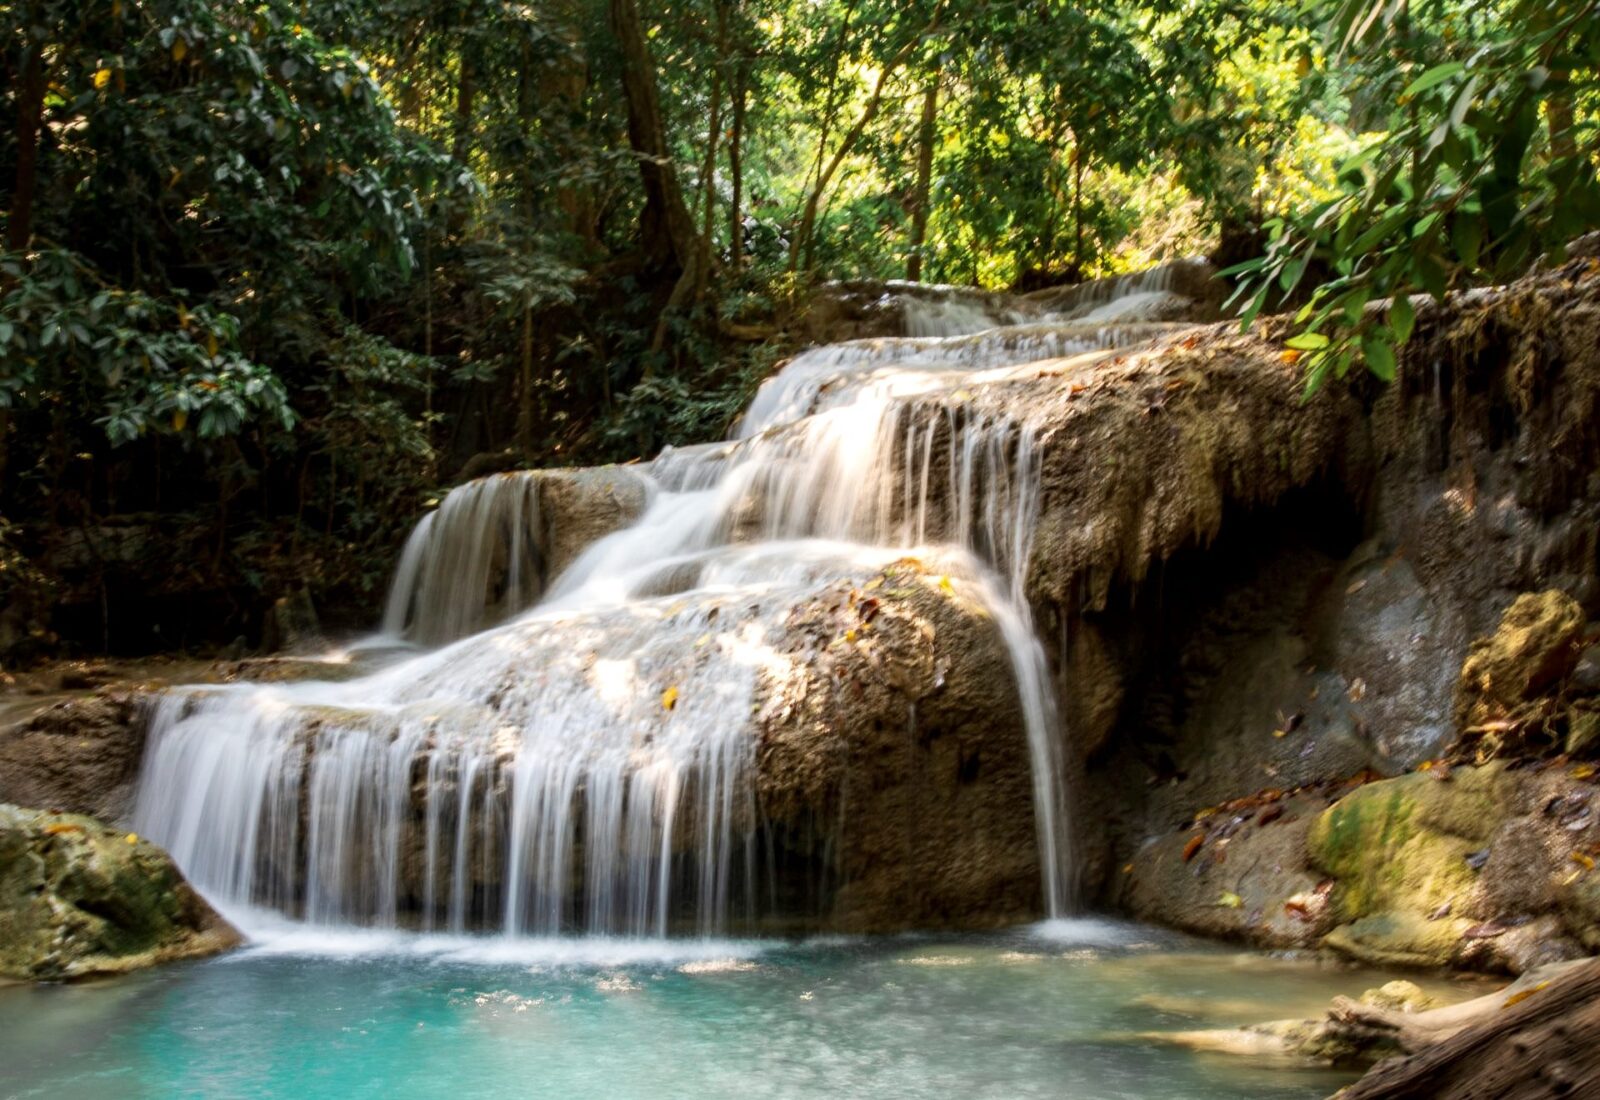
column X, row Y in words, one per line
column 466, row 93
column 741, row 102
column 666, row 227
column 525, row 386
column 1543, row 1042
column 565, row 85
column 30, row 116
column 808, row 217
column 921, row 199
column 708, row 172
column 1077, row 208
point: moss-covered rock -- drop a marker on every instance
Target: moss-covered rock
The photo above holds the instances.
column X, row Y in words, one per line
column 1403, row 844
column 78, row 898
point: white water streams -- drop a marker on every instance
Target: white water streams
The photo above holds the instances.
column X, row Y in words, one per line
column 587, row 763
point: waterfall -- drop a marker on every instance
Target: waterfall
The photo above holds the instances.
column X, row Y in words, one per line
column 578, row 753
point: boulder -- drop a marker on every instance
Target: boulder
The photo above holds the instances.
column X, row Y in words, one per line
column 1245, row 877
column 1536, row 646
column 80, row 755
column 891, row 738
column 79, row 899
column 1491, row 868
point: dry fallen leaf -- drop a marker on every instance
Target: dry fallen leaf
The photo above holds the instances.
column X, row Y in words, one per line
column 669, row 698
column 1193, row 846
column 1523, row 994
column 1230, row 900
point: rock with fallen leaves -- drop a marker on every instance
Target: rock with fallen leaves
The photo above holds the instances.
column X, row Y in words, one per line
column 894, row 760
column 78, row 899
column 1489, row 868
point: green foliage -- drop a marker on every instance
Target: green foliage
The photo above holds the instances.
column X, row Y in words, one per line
column 148, row 363
column 287, row 268
column 1486, row 162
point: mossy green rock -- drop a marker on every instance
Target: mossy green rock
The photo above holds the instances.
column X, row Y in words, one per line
column 78, row 898
column 1398, row 850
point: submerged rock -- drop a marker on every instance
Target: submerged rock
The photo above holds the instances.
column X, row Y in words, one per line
column 79, row 899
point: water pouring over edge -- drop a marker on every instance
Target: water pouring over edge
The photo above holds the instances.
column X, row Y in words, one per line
column 578, row 747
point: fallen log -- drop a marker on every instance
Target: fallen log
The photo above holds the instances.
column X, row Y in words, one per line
column 1539, row 1038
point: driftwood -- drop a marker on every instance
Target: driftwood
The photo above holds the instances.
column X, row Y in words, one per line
column 1539, row 1038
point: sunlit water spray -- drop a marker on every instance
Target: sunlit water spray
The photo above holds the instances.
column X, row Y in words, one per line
column 580, row 754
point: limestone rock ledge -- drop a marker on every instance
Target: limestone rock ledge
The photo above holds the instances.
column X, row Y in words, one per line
column 79, row 899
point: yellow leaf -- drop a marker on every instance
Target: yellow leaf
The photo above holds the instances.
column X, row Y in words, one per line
column 1230, row 900
column 1587, row 861
column 1127, row 868
column 1523, row 995
column 1583, row 771
column 1289, row 355
column 102, row 77
column 180, row 49
column 702, row 640
column 669, row 698
column 875, row 582
column 944, row 584
column 132, row 838
column 179, row 419
column 211, row 344
column 849, row 635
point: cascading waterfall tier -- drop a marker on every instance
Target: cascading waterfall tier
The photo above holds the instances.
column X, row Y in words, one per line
column 579, row 756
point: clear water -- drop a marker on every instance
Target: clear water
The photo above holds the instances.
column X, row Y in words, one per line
column 1049, row 1011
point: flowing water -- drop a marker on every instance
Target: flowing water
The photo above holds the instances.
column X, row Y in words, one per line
column 1052, row 1011
column 550, row 750
column 577, row 753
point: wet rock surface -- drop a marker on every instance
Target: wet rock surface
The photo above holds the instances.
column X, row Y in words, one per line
column 79, row 899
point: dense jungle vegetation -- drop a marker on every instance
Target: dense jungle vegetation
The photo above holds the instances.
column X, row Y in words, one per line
column 273, row 274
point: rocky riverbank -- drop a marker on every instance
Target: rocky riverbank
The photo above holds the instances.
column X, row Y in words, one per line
column 1326, row 667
